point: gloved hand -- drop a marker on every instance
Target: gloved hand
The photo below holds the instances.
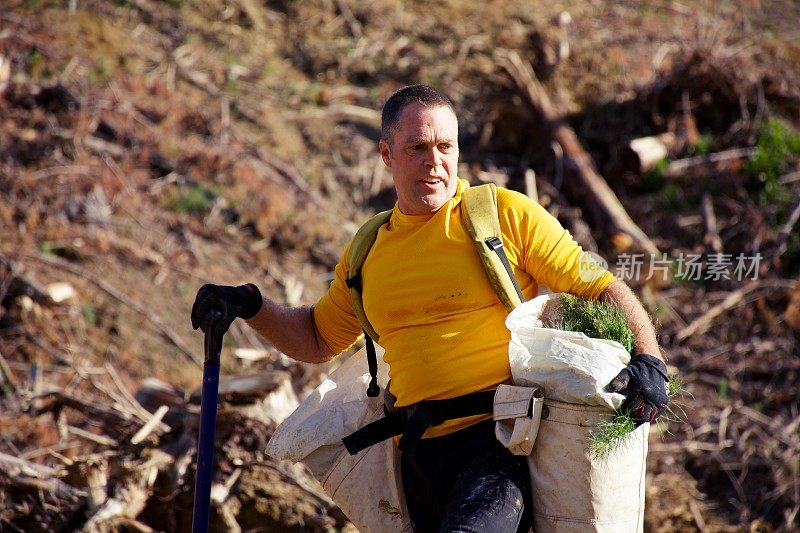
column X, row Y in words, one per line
column 643, row 382
column 243, row 301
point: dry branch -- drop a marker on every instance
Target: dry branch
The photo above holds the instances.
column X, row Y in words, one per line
column 97, row 439
column 581, row 176
column 786, row 231
column 7, row 374
column 789, row 178
column 148, row 314
column 290, row 174
column 150, row 425
column 530, row 185
column 93, row 470
column 52, row 401
column 711, row 238
column 128, row 503
column 344, row 112
column 676, row 168
column 702, row 323
column 14, row 465
column 53, row 486
column 734, row 299
column 347, row 15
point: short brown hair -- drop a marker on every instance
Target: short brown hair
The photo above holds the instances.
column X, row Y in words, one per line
column 422, row 94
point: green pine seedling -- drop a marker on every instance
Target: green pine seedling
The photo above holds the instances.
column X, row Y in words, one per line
column 604, row 320
column 596, row 319
column 611, row 434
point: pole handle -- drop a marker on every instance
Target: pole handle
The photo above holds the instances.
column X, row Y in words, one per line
column 212, row 346
column 212, row 342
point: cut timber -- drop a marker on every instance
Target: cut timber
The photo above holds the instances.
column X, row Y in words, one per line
column 644, row 153
column 269, row 398
column 582, row 179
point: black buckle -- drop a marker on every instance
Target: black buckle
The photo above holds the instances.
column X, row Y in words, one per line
column 354, row 282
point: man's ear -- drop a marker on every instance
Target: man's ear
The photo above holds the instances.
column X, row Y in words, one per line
column 386, row 153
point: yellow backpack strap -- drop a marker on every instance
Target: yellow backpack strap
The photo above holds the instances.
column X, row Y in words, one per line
column 480, row 216
column 359, row 250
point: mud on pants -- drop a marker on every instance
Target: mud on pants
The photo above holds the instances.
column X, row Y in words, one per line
column 466, row 482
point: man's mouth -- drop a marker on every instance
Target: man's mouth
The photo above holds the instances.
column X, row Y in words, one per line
column 432, row 181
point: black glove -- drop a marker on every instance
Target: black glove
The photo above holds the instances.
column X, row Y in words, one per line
column 643, row 382
column 243, row 301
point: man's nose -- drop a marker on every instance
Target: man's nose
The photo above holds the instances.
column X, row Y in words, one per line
column 434, row 157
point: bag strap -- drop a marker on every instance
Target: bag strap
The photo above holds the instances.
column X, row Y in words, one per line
column 483, row 223
column 412, row 421
column 480, row 216
column 359, row 249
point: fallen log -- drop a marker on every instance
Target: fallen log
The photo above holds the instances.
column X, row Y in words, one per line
column 268, row 398
column 645, row 153
column 581, row 178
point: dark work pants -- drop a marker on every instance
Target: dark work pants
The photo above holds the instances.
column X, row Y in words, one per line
column 467, row 482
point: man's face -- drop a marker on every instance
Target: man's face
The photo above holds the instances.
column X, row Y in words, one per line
column 423, row 156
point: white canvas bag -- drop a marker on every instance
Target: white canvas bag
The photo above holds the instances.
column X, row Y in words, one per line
column 365, row 486
column 572, row 490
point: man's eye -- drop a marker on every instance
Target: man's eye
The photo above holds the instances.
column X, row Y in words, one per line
column 445, row 147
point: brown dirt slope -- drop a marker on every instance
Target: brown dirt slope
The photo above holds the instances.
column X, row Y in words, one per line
column 147, row 147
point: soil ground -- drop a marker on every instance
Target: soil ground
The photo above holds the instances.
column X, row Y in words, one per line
column 147, row 147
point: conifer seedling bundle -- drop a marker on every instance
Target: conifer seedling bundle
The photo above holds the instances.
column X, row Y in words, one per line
column 600, row 320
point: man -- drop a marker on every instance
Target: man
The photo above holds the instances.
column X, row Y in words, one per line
column 440, row 321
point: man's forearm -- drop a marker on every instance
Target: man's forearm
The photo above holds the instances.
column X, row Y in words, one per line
column 638, row 319
column 292, row 331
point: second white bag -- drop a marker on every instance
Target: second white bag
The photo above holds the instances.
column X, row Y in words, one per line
column 365, row 486
column 573, row 491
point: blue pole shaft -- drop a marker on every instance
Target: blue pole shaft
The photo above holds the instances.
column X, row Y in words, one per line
column 205, row 448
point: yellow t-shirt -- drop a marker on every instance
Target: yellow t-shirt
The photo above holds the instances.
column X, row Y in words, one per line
column 428, row 297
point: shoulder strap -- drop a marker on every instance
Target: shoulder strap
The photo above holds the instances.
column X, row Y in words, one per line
column 481, row 218
column 483, row 223
column 359, row 249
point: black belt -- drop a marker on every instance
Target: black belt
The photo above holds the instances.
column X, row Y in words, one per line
column 412, row 421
